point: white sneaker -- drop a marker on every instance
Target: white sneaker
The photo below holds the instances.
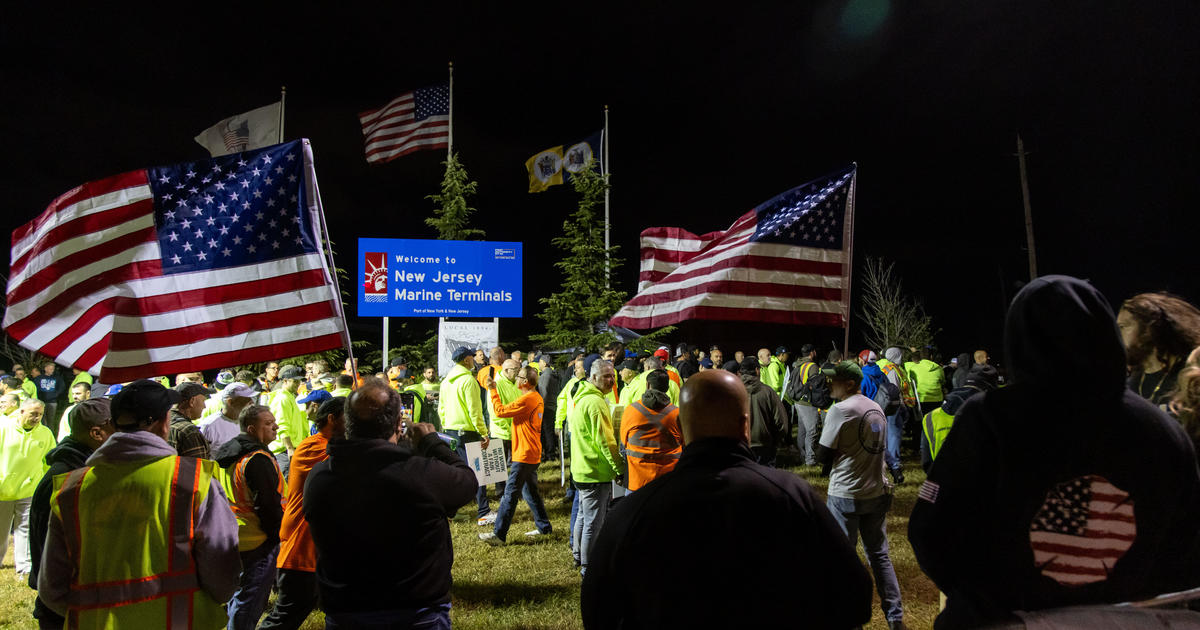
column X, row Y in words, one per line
column 491, row 539
column 536, row 533
column 490, row 519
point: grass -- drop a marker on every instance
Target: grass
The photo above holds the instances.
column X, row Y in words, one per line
column 532, row 583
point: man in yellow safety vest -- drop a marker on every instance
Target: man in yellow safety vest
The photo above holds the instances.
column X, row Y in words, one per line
column 140, row 537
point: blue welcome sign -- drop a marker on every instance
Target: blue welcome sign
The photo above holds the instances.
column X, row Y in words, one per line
column 424, row 278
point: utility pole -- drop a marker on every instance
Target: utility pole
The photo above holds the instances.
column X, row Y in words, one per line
column 1028, row 212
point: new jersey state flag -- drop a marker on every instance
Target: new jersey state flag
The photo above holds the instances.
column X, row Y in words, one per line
column 546, row 168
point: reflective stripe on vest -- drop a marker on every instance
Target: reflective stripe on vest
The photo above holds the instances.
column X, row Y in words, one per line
column 250, row 532
column 937, row 426
column 177, row 584
column 652, row 421
column 804, row 372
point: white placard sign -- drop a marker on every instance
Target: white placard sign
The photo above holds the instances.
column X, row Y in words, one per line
column 474, row 335
column 489, row 465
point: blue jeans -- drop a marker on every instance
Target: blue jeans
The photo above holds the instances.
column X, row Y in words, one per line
column 432, row 618
column 869, row 517
column 573, row 494
column 895, row 431
column 593, row 508
column 522, row 479
column 254, row 587
column 285, row 463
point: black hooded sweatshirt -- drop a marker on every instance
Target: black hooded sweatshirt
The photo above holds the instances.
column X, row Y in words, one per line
column 67, row 456
column 377, row 512
column 262, row 478
column 995, row 486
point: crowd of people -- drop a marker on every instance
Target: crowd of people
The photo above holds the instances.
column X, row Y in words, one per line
column 1068, row 476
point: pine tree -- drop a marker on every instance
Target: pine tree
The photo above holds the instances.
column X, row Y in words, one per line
column 587, row 299
column 452, row 214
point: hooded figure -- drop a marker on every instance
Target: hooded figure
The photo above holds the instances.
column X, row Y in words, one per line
column 959, row 378
column 1045, row 495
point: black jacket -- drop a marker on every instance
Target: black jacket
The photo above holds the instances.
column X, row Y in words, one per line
column 262, row 478
column 1024, row 458
column 768, row 416
column 723, row 542
column 377, row 512
column 67, row 456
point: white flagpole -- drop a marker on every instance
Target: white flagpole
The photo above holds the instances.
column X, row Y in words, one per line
column 282, row 104
column 327, row 246
column 604, row 173
column 450, row 148
column 849, row 257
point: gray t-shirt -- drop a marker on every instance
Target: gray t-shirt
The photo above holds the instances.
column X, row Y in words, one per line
column 218, row 429
column 857, row 429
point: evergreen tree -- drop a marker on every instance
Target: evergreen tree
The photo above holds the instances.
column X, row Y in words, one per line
column 586, row 298
column 452, row 215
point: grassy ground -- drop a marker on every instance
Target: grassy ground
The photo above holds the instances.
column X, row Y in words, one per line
column 531, row 583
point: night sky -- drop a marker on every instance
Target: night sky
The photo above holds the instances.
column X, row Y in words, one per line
column 711, row 114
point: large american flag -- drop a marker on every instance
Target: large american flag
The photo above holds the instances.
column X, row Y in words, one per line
column 786, row 261
column 1083, row 528
column 410, row 122
column 194, row 266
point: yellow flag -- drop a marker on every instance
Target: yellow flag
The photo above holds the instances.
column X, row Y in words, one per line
column 545, row 169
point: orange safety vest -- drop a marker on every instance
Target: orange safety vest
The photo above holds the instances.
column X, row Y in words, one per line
column 136, row 570
column 652, row 442
column 250, row 532
column 906, row 394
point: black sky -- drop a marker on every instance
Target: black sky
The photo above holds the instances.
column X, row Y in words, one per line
column 712, row 112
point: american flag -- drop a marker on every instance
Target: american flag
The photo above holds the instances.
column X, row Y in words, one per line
column 410, row 122
column 179, row 268
column 236, row 137
column 1083, row 528
column 786, row 261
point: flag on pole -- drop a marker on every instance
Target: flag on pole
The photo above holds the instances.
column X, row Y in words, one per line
column 786, row 261
column 546, row 168
column 410, row 122
column 254, row 129
column 180, row 268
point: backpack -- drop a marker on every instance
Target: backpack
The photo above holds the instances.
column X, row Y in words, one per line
column 906, row 395
column 887, row 395
column 809, row 388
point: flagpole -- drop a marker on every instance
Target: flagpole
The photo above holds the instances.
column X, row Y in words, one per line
column 327, row 247
column 449, row 153
column 607, row 224
column 849, row 257
column 1028, row 212
column 282, row 105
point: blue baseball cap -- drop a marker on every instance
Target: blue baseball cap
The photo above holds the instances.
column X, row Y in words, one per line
column 316, row 395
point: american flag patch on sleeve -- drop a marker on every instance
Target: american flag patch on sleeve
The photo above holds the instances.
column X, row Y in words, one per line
column 928, row 492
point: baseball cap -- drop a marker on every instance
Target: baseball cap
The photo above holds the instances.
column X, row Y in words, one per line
column 316, row 395
column 844, row 371
column 239, row 390
column 113, row 390
column 868, row 356
column 461, row 353
column 781, row 350
column 807, row 348
column 187, row 390
column 291, row 371
column 587, row 363
column 954, row 361
column 224, row 378
column 630, row 364
column 706, row 363
column 93, row 412
column 145, row 401
column 397, row 362
column 662, row 354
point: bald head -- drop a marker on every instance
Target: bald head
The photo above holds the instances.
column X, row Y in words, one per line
column 714, row 403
